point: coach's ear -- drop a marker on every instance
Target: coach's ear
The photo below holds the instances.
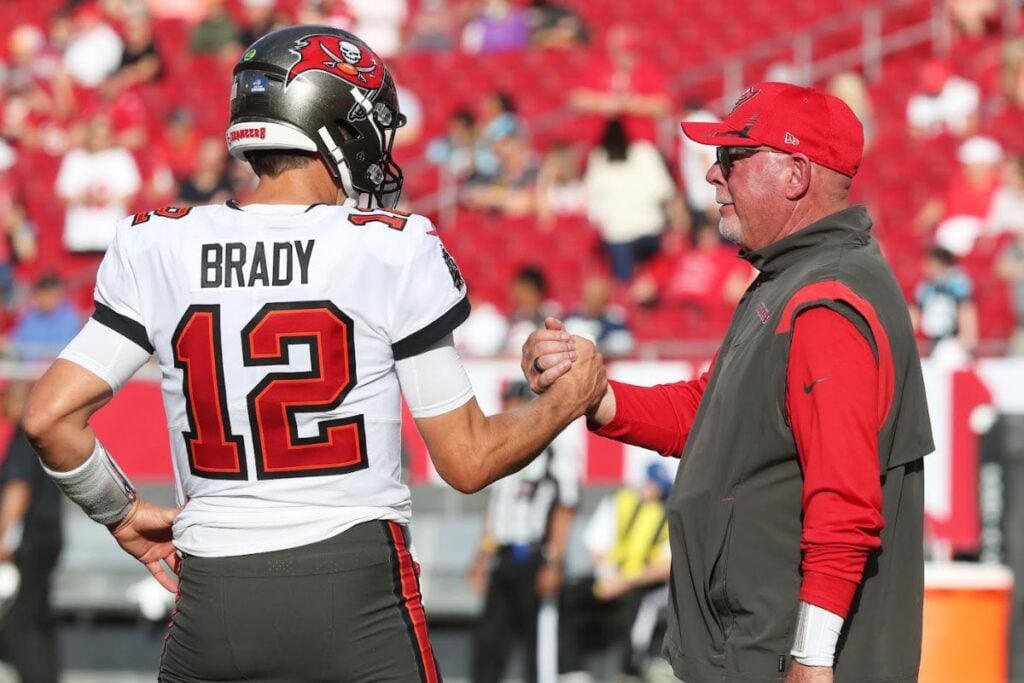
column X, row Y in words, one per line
column 798, row 182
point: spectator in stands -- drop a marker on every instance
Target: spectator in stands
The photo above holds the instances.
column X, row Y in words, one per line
column 849, row 86
column 31, row 60
column 511, row 191
column 560, row 188
column 36, row 94
column 970, row 18
column 1003, row 114
column 1010, row 268
column 496, row 26
column 178, row 143
column 140, row 61
column 530, row 306
column 47, row 325
column 455, row 152
column 379, row 23
column 627, row 538
column 210, row 183
column 129, row 117
column 31, row 537
column 703, row 278
column 432, row 29
column 943, row 102
column 1006, row 211
column 623, row 85
column 553, row 25
column 188, row 11
column 497, row 119
column 521, row 558
column 599, row 320
column 31, row 118
column 694, row 162
column 93, row 49
column 97, row 181
column 259, row 18
column 17, row 233
column 629, row 192
column 1011, row 73
column 967, row 198
column 215, row 30
column 326, row 13
column 944, row 312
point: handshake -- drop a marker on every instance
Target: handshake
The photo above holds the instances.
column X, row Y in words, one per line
column 570, row 366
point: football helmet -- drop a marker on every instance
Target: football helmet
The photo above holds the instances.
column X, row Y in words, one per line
column 320, row 89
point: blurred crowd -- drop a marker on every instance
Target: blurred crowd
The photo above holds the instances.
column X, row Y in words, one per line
column 112, row 107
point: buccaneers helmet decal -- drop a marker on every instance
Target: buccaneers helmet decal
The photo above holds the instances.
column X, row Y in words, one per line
column 343, row 59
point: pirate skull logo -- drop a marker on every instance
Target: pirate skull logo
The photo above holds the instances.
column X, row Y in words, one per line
column 350, row 51
column 343, row 59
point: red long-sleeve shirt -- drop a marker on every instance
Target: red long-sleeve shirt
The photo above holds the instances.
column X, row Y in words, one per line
column 831, row 403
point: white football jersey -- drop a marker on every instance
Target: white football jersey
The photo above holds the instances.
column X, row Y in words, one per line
column 277, row 329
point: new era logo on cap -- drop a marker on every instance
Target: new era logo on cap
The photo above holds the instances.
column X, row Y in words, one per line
column 784, row 116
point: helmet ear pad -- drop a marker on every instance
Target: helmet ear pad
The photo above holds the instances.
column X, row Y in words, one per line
column 317, row 88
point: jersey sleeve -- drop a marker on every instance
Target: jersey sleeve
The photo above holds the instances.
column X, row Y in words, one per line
column 116, row 296
column 831, row 403
column 658, row 418
column 432, row 298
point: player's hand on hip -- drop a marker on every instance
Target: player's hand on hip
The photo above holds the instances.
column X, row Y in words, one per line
column 146, row 535
column 547, row 355
column 798, row 673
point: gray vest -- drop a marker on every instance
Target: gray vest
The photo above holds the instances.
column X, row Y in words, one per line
column 735, row 510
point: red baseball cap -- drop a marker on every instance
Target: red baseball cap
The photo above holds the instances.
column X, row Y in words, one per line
column 789, row 118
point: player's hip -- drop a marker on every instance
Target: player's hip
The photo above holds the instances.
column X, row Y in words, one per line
column 344, row 609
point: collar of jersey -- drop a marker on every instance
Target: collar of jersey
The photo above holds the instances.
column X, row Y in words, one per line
column 273, row 209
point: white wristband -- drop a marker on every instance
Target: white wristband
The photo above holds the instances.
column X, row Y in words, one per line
column 98, row 486
column 817, row 632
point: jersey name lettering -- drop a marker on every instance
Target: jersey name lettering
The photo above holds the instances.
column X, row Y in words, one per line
column 274, row 264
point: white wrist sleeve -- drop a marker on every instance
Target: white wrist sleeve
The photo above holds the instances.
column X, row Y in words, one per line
column 817, row 632
column 434, row 382
column 105, row 353
column 98, row 486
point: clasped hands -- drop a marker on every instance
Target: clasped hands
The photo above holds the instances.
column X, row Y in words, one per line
column 554, row 358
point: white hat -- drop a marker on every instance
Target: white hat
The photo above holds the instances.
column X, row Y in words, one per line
column 979, row 150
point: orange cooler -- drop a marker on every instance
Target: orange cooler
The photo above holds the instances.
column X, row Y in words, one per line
column 966, row 623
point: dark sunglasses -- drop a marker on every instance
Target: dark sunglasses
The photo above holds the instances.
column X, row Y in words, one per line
column 727, row 156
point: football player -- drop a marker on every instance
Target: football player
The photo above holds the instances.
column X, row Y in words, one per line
column 286, row 330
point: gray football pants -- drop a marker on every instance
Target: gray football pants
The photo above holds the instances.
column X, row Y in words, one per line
column 344, row 610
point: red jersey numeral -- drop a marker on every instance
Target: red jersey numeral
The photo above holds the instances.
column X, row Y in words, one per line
column 173, row 212
column 274, row 405
column 212, row 452
column 339, row 445
column 395, row 220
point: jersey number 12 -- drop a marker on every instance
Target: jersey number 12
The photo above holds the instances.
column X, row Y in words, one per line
column 275, row 403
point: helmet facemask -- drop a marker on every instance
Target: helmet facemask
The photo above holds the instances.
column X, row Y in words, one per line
column 369, row 179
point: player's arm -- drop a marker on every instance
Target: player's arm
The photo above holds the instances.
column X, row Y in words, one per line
column 469, row 449
column 56, row 421
column 658, row 417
